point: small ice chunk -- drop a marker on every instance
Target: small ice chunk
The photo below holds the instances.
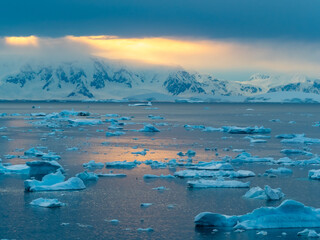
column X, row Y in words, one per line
column 162, row 188
column 145, row 205
column 114, row 134
column 245, row 130
column 81, row 122
column 146, row 176
column 149, row 128
column 48, row 203
column 314, row 174
column 280, row 170
column 111, row 175
column 121, row 164
column 145, row 230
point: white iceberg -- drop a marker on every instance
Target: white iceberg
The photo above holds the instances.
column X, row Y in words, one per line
column 290, row 214
column 308, row 233
column 54, row 182
column 149, row 128
column 47, row 203
column 219, row 183
column 267, row 193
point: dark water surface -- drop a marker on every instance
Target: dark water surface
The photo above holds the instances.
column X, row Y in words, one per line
column 87, row 211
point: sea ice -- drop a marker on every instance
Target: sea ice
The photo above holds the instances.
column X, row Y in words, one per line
column 209, row 173
column 50, row 156
column 54, row 182
column 44, row 167
column 289, row 214
column 147, row 176
column 247, row 158
column 111, row 175
column 114, row 134
column 314, row 174
column 80, row 122
column 308, row 233
column 87, row 176
column 280, row 170
column 149, row 128
column 121, row 164
column 93, row 165
column 219, row 183
column 48, row 203
column 15, row 169
column 267, row 193
column 245, row 130
column 33, row 152
column 300, row 138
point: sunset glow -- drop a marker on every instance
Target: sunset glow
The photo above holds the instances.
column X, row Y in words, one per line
column 22, row 41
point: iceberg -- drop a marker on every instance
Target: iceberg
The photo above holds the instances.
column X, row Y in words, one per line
column 121, row 164
column 140, row 104
column 48, row 203
column 114, row 134
column 44, row 167
column 207, row 173
column 34, row 152
column 81, row 122
column 300, row 138
column 295, row 151
column 87, row 176
column 280, row 170
column 314, row 174
column 308, row 233
column 267, row 193
column 93, row 165
column 245, row 130
column 286, row 136
column 50, row 156
column 214, row 166
column 54, row 182
column 148, row 176
column 149, row 128
column 14, row 169
column 247, row 158
column 219, row 183
column 289, row 214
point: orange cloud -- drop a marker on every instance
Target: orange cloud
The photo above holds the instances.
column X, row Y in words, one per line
column 22, row 41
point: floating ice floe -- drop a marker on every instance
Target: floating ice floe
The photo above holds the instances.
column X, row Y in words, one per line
column 149, row 128
column 145, row 230
column 87, row 176
column 122, row 164
column 267, row 193
column 289, row 214
column 9, row 156
column 111, row 175
column 247, row 158
column 245, row 130
column 143, row 153
column 295, row 152
column 50, row 156
column 43, row 167
column 300, row 138
column 286, row 136
column 81, row 122
column 208, row 173
column 280, row 170
column 54, row 182
column 145, row 205
column 93, row 165
column 214, row 166
column 309, row 233
column 47, row 203
column 112, row 115
column 114, row 134
column 14, row 169
column 34, row 152
column 155, row 117
column 148, row 176
column 314, row 174
column 219, row 183
column 140, row 104
column 162, row 188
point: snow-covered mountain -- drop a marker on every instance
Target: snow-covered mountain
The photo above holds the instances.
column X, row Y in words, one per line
column 95, row 78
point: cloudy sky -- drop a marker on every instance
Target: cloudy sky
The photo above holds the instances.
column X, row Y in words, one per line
column 228, row 38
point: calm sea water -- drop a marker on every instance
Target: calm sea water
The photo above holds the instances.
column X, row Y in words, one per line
column 88, row 211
